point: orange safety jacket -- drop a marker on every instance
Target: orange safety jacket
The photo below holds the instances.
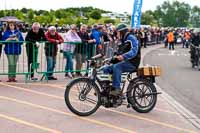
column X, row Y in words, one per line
column 187, row 36
column 170, row 37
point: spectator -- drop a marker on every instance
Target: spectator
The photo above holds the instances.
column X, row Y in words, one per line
column 165, row 38
column 107, row 41
column 113, row 34
column 12, row 50
column 34, row 36
column 51, row 49
column 86, row 47
column 1, row 32
column 145, row 38
column 91, row 46
column 170, row 38
column 96, row 34
column 142, row 37
column 70, row 36
column 187, row 37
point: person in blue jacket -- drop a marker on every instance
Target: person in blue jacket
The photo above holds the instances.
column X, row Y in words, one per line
column 1, row 32
column 12, row 49
column 96, row 35
column 127, row 59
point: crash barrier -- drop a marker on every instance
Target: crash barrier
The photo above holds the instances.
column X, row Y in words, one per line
column 38, row 57
column 13, row 62
column 152, row 40
column 109, row 48
column 26, row 57
column 69, row 57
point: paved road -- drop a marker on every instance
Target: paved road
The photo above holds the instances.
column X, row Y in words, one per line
column 178, row 79
column 39, row 107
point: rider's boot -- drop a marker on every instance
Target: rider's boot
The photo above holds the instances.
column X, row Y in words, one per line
column 116, row 91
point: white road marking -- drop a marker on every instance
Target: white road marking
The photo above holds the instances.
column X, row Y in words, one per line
column 187, row 114
column 173, row 52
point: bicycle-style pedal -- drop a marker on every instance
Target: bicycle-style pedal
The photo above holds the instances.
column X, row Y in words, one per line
column 129, row 105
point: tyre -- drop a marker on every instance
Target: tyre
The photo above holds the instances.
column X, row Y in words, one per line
column 193, row 64
column 142, row 95
column 82, row 97
column 198, row 63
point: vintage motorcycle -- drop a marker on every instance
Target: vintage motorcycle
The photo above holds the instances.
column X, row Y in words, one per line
column 84, row 95
column 195, row 56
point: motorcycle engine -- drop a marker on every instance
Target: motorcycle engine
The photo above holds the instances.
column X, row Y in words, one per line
column 106, row 99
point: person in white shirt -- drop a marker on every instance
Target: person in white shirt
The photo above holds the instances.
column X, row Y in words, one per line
column 68, row 49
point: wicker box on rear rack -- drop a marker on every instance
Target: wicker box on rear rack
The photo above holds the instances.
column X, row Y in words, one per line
column 149, row 71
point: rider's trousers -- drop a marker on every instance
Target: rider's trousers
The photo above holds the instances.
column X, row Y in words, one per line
column 116, row 70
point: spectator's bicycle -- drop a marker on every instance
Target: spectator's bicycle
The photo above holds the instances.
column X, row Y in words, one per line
column 83, row 96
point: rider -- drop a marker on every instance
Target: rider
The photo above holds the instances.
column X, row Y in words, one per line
column 196, row 42
column 196, row 38
column 128, row 57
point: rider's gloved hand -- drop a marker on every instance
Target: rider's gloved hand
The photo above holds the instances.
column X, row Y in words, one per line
column 114, row 60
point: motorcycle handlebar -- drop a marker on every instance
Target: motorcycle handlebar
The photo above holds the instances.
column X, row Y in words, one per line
column 97, row 56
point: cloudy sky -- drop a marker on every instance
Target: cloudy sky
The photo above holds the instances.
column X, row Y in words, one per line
column 110, row 5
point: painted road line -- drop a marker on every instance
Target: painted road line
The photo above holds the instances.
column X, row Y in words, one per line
column 166, row 111
column 154, row 121
column 121, row 113
column 188, row 115
column 14, row 119
column 56, row 86
column 183, row 111
column 32, row 91
column 100, row 123
column 173, row 52
column 158, row 109
column 38, row 84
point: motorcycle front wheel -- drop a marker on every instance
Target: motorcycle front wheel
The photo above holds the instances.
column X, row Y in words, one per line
column 82, row 97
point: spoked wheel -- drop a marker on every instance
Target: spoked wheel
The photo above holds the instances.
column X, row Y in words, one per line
column 82, row 97
column 142, row 94
column 198, row 64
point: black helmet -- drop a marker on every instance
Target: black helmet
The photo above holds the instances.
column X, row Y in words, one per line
column 121, row 27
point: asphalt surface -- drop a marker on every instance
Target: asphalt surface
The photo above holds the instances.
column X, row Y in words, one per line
column 178, row 79
column 39, row 107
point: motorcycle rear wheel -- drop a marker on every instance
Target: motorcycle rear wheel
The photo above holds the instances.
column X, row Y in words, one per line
column 142, row 95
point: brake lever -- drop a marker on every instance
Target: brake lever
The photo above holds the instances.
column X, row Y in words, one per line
column 107, row 60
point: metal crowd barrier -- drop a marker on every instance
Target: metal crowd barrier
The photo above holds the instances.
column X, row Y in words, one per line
column 19, row 62
column 39, row 58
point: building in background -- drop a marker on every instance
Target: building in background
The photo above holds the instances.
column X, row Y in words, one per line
column 123, row 17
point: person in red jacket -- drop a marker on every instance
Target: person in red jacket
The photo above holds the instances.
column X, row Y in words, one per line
column 51, row 49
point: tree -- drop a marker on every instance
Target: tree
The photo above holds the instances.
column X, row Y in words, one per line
column 2, row 13
column 30, row 15
column 174, row 14
column 24, row 10
column 148, row 18
column 19, row 15
column 106, row 21
column 95, row 15
column 195, row 16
